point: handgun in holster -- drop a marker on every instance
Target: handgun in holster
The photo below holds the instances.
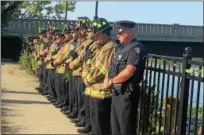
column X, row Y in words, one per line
column 116, row 89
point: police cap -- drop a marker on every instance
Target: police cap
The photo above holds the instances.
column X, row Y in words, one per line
column 121, row 25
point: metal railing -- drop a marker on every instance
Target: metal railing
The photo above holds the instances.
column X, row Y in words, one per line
column 151, row 32
column 172, row 96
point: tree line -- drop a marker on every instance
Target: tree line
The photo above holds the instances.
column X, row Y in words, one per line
column 35, row 9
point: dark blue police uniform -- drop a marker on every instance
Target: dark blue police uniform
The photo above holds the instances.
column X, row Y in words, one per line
column 125, row 96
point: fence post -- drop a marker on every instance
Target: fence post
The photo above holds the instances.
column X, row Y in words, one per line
column 184, row 93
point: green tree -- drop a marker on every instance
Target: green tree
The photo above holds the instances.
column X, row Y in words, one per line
column 63, row 7
column 46, row 9
column 34, row 9
column 9, row 10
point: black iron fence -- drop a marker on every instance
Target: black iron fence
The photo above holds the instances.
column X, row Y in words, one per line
column 172, row 100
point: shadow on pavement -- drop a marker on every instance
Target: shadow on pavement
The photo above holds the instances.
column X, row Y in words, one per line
column 19, row 92
column 22, row 101
column 5, row 128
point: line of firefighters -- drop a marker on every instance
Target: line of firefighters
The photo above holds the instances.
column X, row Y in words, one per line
column 92, row 78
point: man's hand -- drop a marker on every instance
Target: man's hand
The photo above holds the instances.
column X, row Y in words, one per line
column 55, row 64
column 64, row 65
column 49, row 58
column 80, row 69
column 81, row 55
column 86, row 82
column 41, row 53
column 45, row 60
column 45, row 51
column 107, row 84
column 53, row 57
column 68, row 61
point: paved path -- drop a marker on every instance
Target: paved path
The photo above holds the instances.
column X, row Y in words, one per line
column 23, row 110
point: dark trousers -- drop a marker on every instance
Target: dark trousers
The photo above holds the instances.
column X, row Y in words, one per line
column 87, row 111
column 51, row 83
column 41, row 76
column 80, row 98
column 44, row 72
column 59, row 86
column 124, row 113
column 74, row 95
column 66, row 95
column 100, row 115
column 71, row 91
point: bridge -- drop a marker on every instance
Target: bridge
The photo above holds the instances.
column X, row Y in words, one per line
column 145, row 31
column 162, row 39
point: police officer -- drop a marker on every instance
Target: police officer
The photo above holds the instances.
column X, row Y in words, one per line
column 100, row 101
column 124, row 76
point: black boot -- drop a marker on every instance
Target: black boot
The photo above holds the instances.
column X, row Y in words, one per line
column 57, row 102
column 60, row 105
column 72, row 115
column 53, row 100
column 68, row 112
column 87, row 129
column 45, row 93
column 65, row 108
column 38, row 88
column 75, row 120
column 80, row 124
column 49, row 97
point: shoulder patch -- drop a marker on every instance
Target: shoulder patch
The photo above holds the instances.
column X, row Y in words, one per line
column 137, row 50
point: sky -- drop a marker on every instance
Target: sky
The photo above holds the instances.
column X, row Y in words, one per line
column 183, row 13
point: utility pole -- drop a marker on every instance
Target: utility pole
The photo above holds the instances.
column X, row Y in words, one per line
column 66, row 10
column 96, row 10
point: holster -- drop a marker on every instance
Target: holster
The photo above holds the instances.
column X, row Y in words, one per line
column 123, row 89
column 116, row 89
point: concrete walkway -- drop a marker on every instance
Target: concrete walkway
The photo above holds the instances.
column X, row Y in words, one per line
column 23, row 110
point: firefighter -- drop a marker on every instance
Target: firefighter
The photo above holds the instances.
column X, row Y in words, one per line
column 40, row 57
column 71, row 55
column 77, row 47
column 124, row 76
column 76, row 66
column 100, row 101
column 90, row 53
column 58, row 77
column 42, row 35
column 43, row 54
column 50, row 68
column 59, row 61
